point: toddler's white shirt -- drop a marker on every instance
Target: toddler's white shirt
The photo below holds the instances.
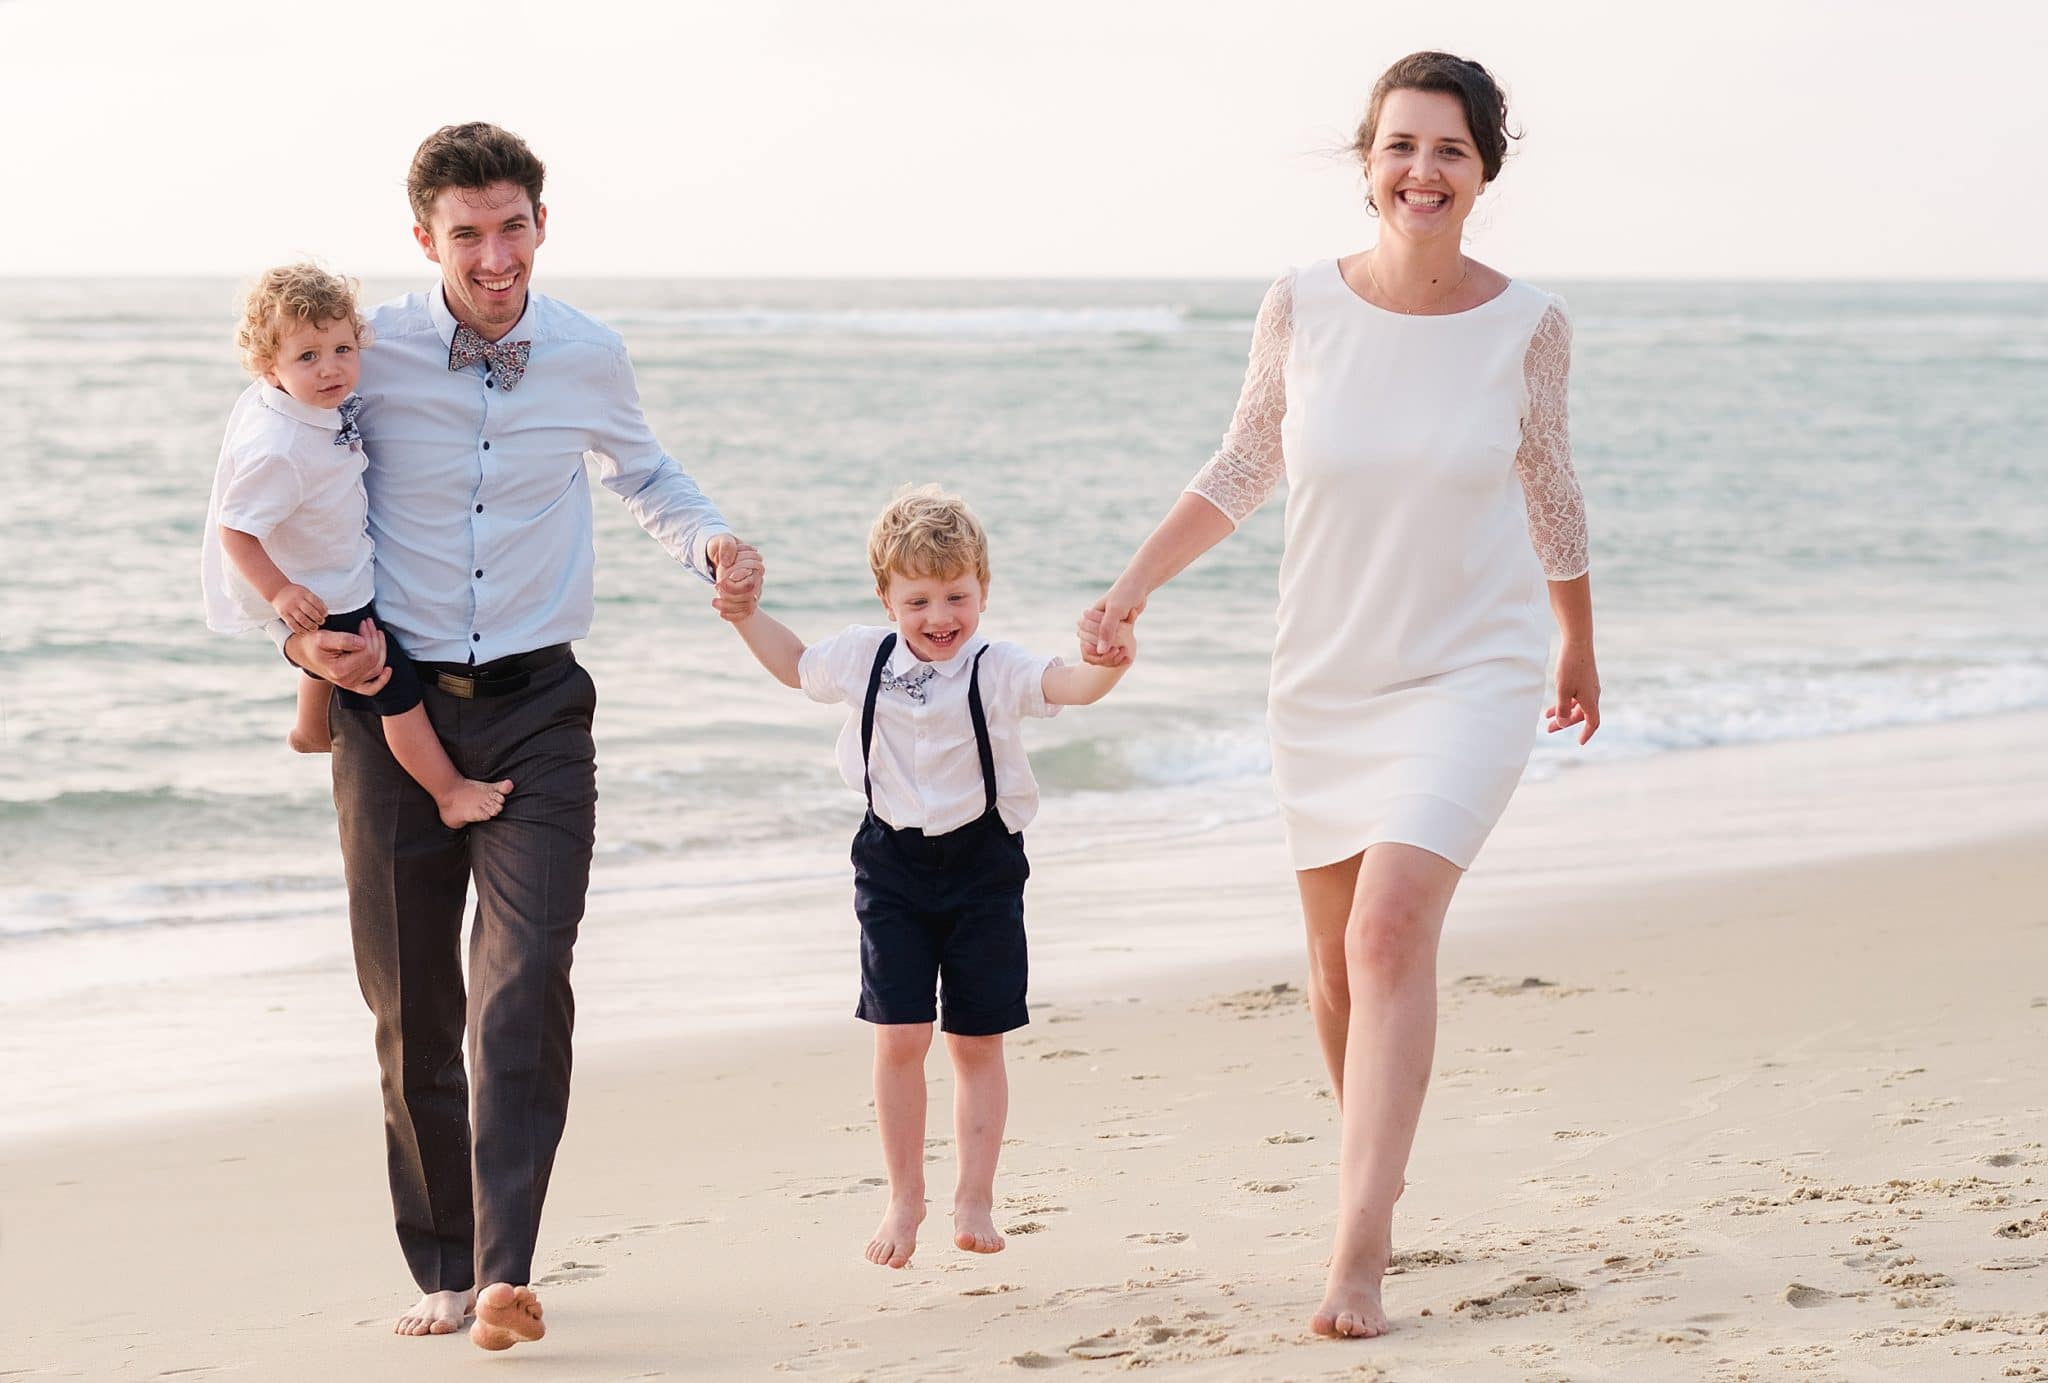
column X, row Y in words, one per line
column 927, row 772
column 282, row 479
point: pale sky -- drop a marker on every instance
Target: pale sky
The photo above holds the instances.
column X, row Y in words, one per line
column 823, row 138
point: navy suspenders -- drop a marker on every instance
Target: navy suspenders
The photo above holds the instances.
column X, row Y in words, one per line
column 974, row 710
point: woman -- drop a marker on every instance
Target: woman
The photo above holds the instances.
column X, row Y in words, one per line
column 1414, row 400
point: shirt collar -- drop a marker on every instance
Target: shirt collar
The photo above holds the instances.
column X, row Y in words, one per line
column 527, row 328
column 903, row 660
column 278, row 401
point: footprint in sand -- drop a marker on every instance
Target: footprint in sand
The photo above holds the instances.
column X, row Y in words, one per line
column 1172, row 1236
column 1267, row 1187
column 1802, row 1296
column 992, row 1289
column 570, row 1271
column 2016, row 1264
column 1290, row 1138
column 2024, row 1229
column 1533, row 1292
column 1025, row 1227
column 2003, row 1160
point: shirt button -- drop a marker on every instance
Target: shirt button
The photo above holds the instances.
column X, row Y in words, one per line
column 490, row 382
column 487, row 446
column 479, row 509
column 476, row 638
column 479, row 572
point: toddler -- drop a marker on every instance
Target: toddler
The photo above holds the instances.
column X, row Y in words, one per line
column 287, row 530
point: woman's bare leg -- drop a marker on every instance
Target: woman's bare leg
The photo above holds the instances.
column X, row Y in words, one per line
column 1326, row 896
column 1390, row 946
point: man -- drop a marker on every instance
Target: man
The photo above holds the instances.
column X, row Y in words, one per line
column 482, row 400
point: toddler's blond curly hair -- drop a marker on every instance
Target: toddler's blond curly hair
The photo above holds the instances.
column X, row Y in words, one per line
column 289, row 296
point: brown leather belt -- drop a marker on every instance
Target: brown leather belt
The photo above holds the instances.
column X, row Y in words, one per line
column 499, row 677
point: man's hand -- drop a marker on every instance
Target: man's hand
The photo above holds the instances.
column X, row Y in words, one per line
column 353, row 662
column 299, row 608
column 740, row 572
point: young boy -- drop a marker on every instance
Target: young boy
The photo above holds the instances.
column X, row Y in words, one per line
column 287, row 529
column 938, row 862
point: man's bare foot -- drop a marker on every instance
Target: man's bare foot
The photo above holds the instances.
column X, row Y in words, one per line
column 312, row 741
column 1351, row 1300
column 506, row 1316
column 472, row 802
column 896, row 1237
column 437, row 1313
column 974, row 1227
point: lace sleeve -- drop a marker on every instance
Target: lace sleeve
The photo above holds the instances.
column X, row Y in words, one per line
column 1249, row 466
column 1557, row 510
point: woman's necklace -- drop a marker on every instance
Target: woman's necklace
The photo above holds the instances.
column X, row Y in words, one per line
column 1374, row 279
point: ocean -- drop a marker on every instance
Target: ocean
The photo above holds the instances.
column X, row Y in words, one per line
column 1816, row 509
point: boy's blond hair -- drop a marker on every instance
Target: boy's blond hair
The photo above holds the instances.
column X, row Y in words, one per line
column 289, row 296
column 927, row 533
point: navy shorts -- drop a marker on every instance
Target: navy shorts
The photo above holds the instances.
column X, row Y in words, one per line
column 401, row 693
column 942, row 916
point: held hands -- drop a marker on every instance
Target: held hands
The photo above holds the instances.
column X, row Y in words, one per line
column 740, row 573
column 1108, row 628
column 353, row 662
column 299, row 608
column 1578, row 692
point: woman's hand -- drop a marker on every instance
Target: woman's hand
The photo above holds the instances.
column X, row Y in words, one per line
column 1578, row 692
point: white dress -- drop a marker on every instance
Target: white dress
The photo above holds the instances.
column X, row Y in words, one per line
column 1430, row 494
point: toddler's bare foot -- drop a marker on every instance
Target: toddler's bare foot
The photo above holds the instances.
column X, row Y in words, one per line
column 974, row 1227
column 436, row 1313
column 313, row 741
column 896, row 1237
column 472, row 801
column 1351, row 1299
column 506, row 1316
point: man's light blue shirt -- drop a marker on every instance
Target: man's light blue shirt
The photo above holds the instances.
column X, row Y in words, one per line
column 479, row 507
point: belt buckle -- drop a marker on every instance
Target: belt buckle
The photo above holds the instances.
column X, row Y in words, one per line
column 464, row 687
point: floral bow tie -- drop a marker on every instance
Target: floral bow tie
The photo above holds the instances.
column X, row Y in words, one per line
column 911, row 683
column 349, row 432
column 507, row 359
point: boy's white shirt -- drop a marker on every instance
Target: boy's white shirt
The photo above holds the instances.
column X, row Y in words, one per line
column 927, row 773
column 282, row 479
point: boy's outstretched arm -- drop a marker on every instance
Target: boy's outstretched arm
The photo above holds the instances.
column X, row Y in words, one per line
column 775, row 645
column 1084, row 685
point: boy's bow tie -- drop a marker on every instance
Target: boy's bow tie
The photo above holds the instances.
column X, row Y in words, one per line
column 911, row 683
column 348, row 431
column 507, row 359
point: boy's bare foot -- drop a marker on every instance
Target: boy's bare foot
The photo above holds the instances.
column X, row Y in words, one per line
column 436, row 1313
column 974, row 1227
column 896, row 1237
column 472, row 802
column 318, row 741
column 1351, row 1299
column 506, row 1316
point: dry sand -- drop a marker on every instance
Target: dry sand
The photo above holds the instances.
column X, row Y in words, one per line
column 1726, row 1123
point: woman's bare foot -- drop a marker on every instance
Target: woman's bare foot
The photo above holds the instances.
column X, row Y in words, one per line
column 1351, row 1299
column 506, row 1316
column 437, row 1313
column 472, row 802
column 896, row 1237
column 974, row 1227
column 313, row 740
